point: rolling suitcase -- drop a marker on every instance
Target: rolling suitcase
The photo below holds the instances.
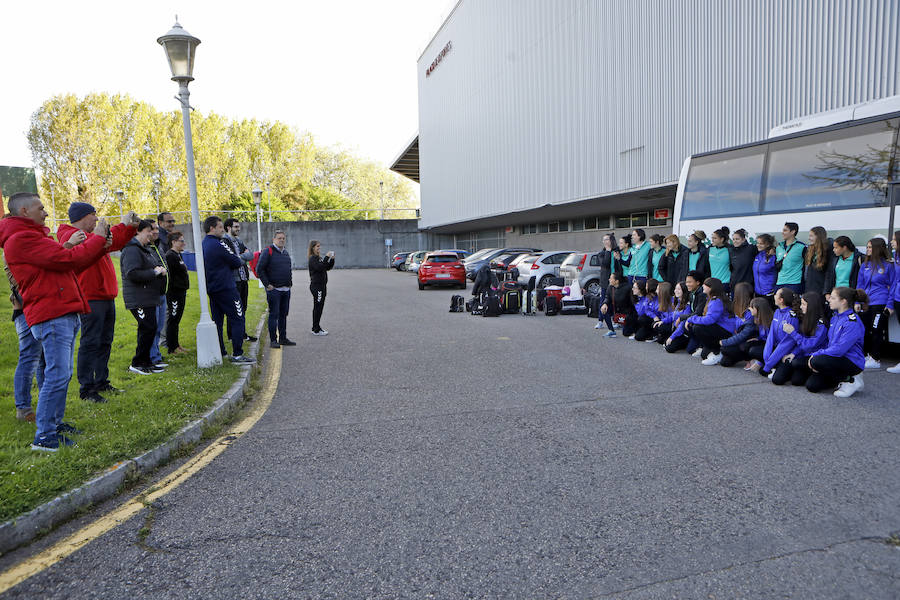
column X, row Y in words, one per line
column 551, row 306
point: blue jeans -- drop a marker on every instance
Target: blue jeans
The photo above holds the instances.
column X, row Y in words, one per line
column 279, row 305
column 57, row 338
column 30, row 359
column 155, row 355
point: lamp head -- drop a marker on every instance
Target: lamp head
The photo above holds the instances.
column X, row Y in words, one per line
column 257, row 196
column 179, row 46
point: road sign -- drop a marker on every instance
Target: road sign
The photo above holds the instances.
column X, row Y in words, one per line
column 388, row 242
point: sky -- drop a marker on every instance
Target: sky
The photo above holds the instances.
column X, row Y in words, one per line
column 344, row 70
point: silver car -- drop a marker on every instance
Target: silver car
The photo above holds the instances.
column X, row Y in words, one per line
column 414, row 261
column 587, row 270
column 570, row 270
column 543, row 266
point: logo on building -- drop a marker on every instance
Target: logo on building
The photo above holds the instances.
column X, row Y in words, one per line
column 446, row 50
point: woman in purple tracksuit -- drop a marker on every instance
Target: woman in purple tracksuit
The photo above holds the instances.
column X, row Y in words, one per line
column 715, row 324
column 774, row 349
column 841, row 362
column 648, row 312
column 877, row 275
column 811, row 335
column 895, row 295
column 679, row 308
column 765, row 272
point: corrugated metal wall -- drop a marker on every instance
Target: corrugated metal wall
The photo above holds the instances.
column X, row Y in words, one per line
column 549, row 101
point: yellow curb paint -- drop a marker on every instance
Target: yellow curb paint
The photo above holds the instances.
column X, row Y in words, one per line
column 504, row 338
column 87, row 534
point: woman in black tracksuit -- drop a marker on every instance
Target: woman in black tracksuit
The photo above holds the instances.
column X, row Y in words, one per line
column 143, row 282
column 618, row 301
column 318, row 282
column 179, row 283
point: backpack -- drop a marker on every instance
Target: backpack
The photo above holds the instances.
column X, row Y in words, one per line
column 492, row 307
column 511, row 300
column 457, row 303
column 252, row 264
column 551, row 306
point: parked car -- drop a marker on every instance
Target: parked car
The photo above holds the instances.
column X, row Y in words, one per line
column 473, row 263
column 399, row 260
column 462, row 254
column 441, row 268
column 572, row 266
column 501, row 264
column 414, row 260
column 543, row 266
column 589, row 278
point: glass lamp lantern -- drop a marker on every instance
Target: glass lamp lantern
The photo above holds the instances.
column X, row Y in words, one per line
column 179, row 46
column 257, row 197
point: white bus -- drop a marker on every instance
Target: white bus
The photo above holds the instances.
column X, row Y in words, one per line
column 839, row 170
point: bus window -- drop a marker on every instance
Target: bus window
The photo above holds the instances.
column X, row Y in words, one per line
column 725, row 184
column 836, row 169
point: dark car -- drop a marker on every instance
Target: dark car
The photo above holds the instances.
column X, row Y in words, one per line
column 399, row 260
column 475, row 261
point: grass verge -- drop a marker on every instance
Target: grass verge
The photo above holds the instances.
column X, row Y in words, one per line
column 150, row 411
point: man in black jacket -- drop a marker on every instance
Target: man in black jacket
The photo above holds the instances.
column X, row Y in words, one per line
column 274, row 270
column 242, row 273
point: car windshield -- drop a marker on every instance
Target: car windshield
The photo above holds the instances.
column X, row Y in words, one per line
column 443, row 258
column 480, row 254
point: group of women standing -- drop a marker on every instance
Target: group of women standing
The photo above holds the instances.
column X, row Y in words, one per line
column 813, row 314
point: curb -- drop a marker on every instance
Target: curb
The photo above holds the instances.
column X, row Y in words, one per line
column 24, row 528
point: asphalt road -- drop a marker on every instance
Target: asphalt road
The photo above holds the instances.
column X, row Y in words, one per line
column 416, row 453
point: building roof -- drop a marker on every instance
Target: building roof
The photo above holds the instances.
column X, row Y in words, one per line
column 407, row 163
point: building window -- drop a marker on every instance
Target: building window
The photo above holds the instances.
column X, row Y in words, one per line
column 640, row 219
column 658, row 222
column 578, row 224
column 542, row 228
column 553, row 226
column 623, row 221
column 590, row 223
column 532, row 228
column 563, row 225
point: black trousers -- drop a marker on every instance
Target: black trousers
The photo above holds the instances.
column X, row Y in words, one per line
column 709, row 337
column 876, row 320
column 174, row 311
column 146, row 333
column 98, row 329
column 731, row 355
column 645, row 329
column 227, row 303
column 832, row 370
column 318, row 294
column 795, row 371
column 279, row 305
column 662, row 333
column 243, row 290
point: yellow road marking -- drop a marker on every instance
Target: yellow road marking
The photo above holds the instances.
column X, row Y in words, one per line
column 55, row 553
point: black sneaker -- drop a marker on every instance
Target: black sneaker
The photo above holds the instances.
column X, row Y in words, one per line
column 274, row 344
column 287, row 342
column 140, row 370
column 158, row 368
column 242, row 360
column 251, row 338
column 108, row 388
column 68, row 428
column 161, row 363
column 93, row 397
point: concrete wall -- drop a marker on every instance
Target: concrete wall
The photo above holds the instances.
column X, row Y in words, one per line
column 572, row 240
column 356, row 244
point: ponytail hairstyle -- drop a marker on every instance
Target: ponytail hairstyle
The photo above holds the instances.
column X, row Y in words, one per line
column 723, row 233
column 844, row 242
column 764, row 314
column 819, row 249
column 768, row 241
column 652, row 286
column 685, row 294
column 716, row 290
column 743, row 294
column 674, row 239
column 641, row 286
column 664, row 294
column 741, row 232
column 880, row 253
column 787, row 297
column 627, row 240
column 619, row 277
column 699, row 235
column 852, row 296
column 815, row 310
column 658, row 239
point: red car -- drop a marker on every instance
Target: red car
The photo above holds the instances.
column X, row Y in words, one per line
column 442, row 268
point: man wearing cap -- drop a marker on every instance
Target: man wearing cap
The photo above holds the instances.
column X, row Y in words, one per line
column 52, row 301
column 100, row 288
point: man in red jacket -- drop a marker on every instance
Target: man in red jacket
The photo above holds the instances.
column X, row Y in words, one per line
column 100, row 287
column 52, row 301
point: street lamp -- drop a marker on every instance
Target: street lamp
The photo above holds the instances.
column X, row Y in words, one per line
column 269, row 196
column 381, row 185
column 180, row 46
column 257, row 200
column 119, row 196
column 53, row 204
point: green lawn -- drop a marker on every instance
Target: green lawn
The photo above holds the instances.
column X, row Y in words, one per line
column 151, row 409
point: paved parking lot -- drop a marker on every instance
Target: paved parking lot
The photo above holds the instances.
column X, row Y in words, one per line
column 418, row 453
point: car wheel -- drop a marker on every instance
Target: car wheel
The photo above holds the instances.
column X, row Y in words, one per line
column 421, row 286
column 545, row 281
column 593, row 287
column 462, row 286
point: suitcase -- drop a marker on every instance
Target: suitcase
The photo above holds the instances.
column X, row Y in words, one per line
column 512, row 301
column 551, row 306
column 529, row 303
column 492, row 307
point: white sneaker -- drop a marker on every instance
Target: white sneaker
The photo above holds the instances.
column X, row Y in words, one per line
column 598, row 325
column 630, row 337
column 698, row 353
column 871, row 363
column 712, row 359
column 320, row 332
column 848, row 388
column 894, row 369
column 771, row 374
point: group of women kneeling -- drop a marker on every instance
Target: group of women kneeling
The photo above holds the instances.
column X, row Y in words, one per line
column 810, row 339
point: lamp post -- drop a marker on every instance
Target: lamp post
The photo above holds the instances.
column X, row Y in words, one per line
column 180, row 46
column 119, row 196
column 52, row 204
column 257, row 200
column 381, row 186
column 269, row 196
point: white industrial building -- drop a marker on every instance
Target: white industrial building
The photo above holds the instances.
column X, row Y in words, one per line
column 548, row 122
